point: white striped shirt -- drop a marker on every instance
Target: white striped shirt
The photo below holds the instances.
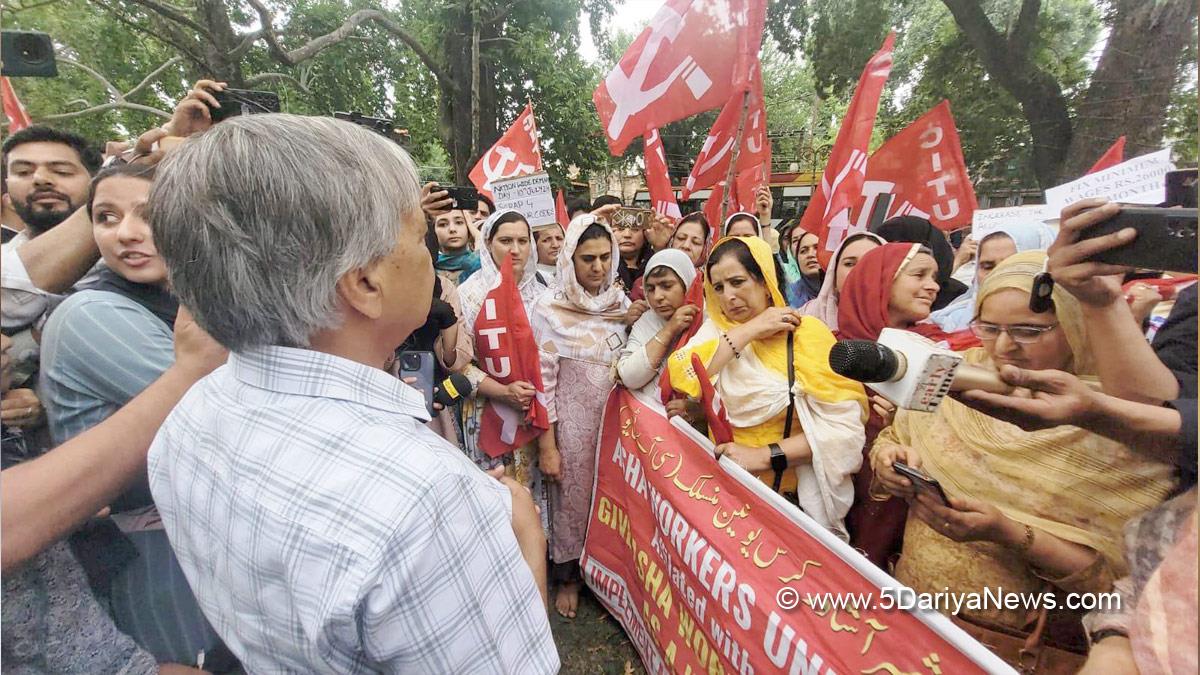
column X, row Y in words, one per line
column 325, row 529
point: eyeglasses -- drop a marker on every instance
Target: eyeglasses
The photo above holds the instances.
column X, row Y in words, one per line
column 1019, row 334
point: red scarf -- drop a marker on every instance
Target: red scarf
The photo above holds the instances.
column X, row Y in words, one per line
column 863, row 302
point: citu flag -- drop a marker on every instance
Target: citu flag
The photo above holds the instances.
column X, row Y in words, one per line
column 692, row 57
column 1111, row 157
column 658, row 178
column 712, row 164
column 922, row 171
column 828, row 214
column 517, row 153
column 18, row 119
column 507, row 352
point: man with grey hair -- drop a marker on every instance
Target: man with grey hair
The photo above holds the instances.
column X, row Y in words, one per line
column 321, row 525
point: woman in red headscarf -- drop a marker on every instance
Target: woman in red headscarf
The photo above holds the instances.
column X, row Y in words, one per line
column 893, row 286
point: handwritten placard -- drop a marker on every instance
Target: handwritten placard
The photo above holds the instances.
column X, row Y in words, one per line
column 987, row 221
column 529, row 195
column 1136, row 181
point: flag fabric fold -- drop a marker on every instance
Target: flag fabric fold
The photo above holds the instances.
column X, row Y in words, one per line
column 828, row 214
column 517, row 153
column 692, row 57
column 18, row 119
column 507, row 352
column 1111, row 157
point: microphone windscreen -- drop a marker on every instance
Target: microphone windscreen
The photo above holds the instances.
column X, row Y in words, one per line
column 452, row 389
column 863, row 360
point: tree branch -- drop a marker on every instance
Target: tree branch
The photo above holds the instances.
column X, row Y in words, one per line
column 318, row 44
column 112, row 105
column 255, row 80
column 120, row 99
column 1022, row 33
column 268, row 32
column 173, row 15
column 988, row 42
column 152, row 76
column 248, row 41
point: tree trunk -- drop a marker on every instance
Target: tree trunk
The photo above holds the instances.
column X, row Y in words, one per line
column 214, row 16
column 1131, row 88
column 462, row 119
column 1007, row 59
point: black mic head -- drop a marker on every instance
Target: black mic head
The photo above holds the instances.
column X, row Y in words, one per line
column 452, row 389
column 863, row 360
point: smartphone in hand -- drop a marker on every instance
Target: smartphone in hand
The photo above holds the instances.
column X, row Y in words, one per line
column 921, row 481
column 419, row 365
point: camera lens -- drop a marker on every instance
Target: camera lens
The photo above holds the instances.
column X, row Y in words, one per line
column 410, row 361
column 33, row 49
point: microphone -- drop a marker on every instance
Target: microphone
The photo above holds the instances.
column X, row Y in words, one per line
column 452, row 389
column 909, row 370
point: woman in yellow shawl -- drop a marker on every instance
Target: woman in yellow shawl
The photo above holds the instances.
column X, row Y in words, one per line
column 1029, row 512
column 743, row 345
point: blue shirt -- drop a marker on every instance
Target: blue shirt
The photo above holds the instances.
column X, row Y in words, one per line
column 99, row 350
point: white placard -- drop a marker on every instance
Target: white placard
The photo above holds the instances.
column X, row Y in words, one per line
column 530, row 196
column 1140, row 180
column 987, row 221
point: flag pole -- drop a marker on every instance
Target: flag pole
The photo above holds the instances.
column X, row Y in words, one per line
column 726, row 204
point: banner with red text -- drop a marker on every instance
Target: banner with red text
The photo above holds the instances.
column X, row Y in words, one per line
column 517, row 153
column 710, row 571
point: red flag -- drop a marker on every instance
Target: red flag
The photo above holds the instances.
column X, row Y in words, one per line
column 748, row 182
column 714, row 408
column 922, row 167
column 560, row 210
column 517, row 153
column 694, row 55
column 712, row 164
column 712, row 207
column 1111, row 157
column 504, row 346
column 658, row 179
column 18, row 119
column 828, row 214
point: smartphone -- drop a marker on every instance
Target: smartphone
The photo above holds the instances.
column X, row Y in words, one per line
column 418, row 364
column 466, row 198
column 628, row 217
column 921, row 481
column 236, row 102
column 1181, row 188
column 1166, row 238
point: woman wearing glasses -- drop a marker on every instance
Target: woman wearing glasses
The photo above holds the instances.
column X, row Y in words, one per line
column 1033, row 513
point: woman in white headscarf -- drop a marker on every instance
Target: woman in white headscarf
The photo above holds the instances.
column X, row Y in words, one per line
column 579, row 328
column 993, row 249
column 502, row 233
column 825, row 305
column 668, row 276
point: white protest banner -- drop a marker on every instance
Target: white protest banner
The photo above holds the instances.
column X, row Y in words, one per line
column 1136, row 181
column 987, row 221
column 530, row 196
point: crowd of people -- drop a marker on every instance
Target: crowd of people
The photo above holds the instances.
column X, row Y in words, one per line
column 212, row 462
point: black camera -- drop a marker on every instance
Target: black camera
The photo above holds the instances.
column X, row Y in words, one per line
column 27, row 53
column 381, row 126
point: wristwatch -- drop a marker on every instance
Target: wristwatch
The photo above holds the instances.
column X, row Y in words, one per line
column 779, row 464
